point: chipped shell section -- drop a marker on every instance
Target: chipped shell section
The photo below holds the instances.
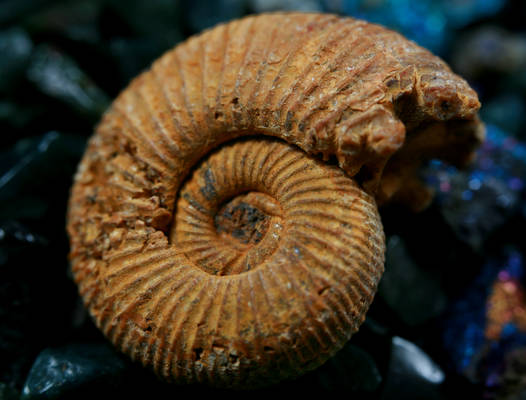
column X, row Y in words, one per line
column 242, row 263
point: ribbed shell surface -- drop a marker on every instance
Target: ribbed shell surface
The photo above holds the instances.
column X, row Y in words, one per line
column 145, row 251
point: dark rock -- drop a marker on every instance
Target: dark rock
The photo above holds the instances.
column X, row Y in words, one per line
column 515, row 82
column 474, row 214
column 434, row 247
column 15, row 311
column 155, row 19
column 352, row 370
column 413, row 293
column 15, row 237
column 375, row 339
column 507, row 111
column 16, row 115
column 139, row 33
column 74, row 20
column 74, row 370
column 59, row 77
column 37, row 166
column 15, row 50
column 34, row 308
column 511, row 383
column 259, row 6
column 202, row 14
column 7, row 392
column 461, row 13
column 133, row 55
column 412, row 373
column 36, row 296
column 12, row 233
column 489, row 49
column 14, row 9
column 481, row 199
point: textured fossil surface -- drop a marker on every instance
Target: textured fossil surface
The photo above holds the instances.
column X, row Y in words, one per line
column 223, row 220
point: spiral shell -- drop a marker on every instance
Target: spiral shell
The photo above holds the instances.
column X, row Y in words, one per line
column 208, row 240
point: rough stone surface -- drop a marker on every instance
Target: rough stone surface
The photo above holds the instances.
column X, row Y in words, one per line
column 412, row 373
column 73, row 370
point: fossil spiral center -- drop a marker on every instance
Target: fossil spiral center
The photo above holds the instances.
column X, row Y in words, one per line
column 228, row 219
column 246, row 218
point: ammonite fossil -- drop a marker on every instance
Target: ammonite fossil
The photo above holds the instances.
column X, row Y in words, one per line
column 223, row 221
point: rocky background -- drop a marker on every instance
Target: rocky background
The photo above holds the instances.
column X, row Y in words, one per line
column 449, row 320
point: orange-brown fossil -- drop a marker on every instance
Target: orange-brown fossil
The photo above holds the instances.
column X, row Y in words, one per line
column 223, row 220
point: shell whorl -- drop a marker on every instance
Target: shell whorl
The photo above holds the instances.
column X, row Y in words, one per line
column 207, row 240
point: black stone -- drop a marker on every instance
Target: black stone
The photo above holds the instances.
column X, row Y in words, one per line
column 352, row 370
column 412, row 292
column 15, row 115
column 35, row 173
column 74, row 20
column 511, row 383
column 132, row 55
column 202, row 14
column 36, row 295
column 435, row 248
column 15, row 50
column 15, row 238
column 7, row 392
column 155, row 19
column 75, row 370
column 59, row 77
column 11, row 10
column 260, row 6
column 139, row 33
column 489, row 208
column 412, row 374
column 375, row 339
column 508, row 111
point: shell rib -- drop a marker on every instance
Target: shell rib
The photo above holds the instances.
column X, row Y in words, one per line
column 243, row 262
